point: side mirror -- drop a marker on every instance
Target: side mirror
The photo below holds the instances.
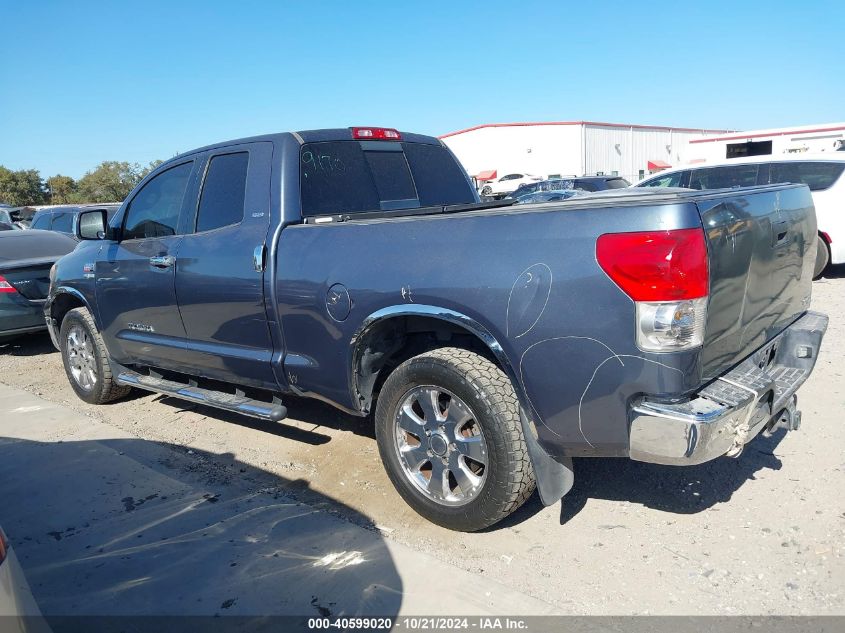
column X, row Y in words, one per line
column 92, row 225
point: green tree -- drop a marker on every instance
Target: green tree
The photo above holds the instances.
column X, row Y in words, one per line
column 22, row 187
column 62, row 189
column 111, row 181
column 153, row 164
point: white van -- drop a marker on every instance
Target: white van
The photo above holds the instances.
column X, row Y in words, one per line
column 822, row 173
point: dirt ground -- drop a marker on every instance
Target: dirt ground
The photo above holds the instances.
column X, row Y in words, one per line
column 761, row 534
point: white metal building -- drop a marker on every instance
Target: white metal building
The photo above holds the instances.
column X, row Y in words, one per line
column 825, row 137
column 571, row 148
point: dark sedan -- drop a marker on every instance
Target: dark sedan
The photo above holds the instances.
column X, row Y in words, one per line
column 25, row 261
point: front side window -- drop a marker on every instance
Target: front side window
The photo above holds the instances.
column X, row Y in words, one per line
column 223, row 192
column 63, row 222
column 666, row 180
column 41, row 222
column 816, row 175
column 154, row 211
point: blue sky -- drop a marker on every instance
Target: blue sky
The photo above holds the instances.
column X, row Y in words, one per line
column 84, row 82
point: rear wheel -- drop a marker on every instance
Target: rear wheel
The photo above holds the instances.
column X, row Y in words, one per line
column 486, row 190
column 450, row 437
column 822, row 257
column 86, row 359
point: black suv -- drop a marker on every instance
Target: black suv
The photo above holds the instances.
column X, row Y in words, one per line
column 63, row 218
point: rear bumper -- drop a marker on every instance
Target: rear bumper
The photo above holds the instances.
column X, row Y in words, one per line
column 757, row 395
column 19, row 315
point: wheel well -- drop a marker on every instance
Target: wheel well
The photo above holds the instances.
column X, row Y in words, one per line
column 62, row 304
column 390, row 342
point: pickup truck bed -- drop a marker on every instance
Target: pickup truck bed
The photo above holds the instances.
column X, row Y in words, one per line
column 492, row 344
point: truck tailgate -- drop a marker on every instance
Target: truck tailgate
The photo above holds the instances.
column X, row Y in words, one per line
column 761, row 249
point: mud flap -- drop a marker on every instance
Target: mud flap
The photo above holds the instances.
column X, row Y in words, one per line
column 554, row 478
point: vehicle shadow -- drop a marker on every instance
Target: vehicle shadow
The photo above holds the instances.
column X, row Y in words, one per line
column 313, row 413
column 28, row 345
column 673, row 489
column 834, row 272
column 126, row 527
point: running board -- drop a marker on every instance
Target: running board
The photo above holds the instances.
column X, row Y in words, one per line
column 237, row 403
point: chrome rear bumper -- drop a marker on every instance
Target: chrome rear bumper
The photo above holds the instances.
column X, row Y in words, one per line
column 757, row 395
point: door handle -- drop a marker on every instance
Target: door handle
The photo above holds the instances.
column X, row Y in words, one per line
column 162, row 261
column 780, row 231
column 258, row 258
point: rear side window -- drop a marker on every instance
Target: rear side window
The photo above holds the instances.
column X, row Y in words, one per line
column 352, row 177
column 41, row 222
column 154, row 211
column 63, row 222
column 724, row 177
column 816, row 175
column 222, row 199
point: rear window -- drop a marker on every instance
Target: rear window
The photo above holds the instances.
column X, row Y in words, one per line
column 816, row 175
column 357, row 176
column 617, row 183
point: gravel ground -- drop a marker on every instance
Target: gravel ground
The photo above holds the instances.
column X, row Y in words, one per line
column 761, row 534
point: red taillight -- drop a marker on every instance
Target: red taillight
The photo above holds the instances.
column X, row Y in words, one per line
column 5, row 286
column 656, row 265
column 376, row 134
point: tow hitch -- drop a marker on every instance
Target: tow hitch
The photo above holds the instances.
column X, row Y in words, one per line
column 789, row 418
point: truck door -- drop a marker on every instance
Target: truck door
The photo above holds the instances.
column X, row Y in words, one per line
column 220, row 268
column 135, row 277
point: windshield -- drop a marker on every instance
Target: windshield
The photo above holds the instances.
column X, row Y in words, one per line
column 339, row 177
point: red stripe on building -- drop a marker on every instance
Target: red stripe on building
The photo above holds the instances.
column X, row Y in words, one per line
column 786, row 133
column 598, row 123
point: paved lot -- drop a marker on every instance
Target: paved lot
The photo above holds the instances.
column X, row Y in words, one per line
column 762, row 534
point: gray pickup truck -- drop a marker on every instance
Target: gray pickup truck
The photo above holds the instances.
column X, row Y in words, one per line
column 491, row 343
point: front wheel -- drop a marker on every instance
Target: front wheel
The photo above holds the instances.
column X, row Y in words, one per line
column 822, row 257
column 86, row 359
column 449, row 434
column 486, row 190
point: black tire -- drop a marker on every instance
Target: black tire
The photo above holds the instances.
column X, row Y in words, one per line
column 104, row 388
column 822, row 257
column 486, row 190
column 485, row 389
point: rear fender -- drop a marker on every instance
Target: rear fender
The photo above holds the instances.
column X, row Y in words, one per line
column 554, row 478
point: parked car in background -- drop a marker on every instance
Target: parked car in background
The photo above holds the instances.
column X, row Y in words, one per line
column 619, row 324
column 6, row 222
column 16, row 600
column 822, row 173
column 506, row 184
column 580, row 183
column 25, row 261
column 548, row 196
column 63, row 218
